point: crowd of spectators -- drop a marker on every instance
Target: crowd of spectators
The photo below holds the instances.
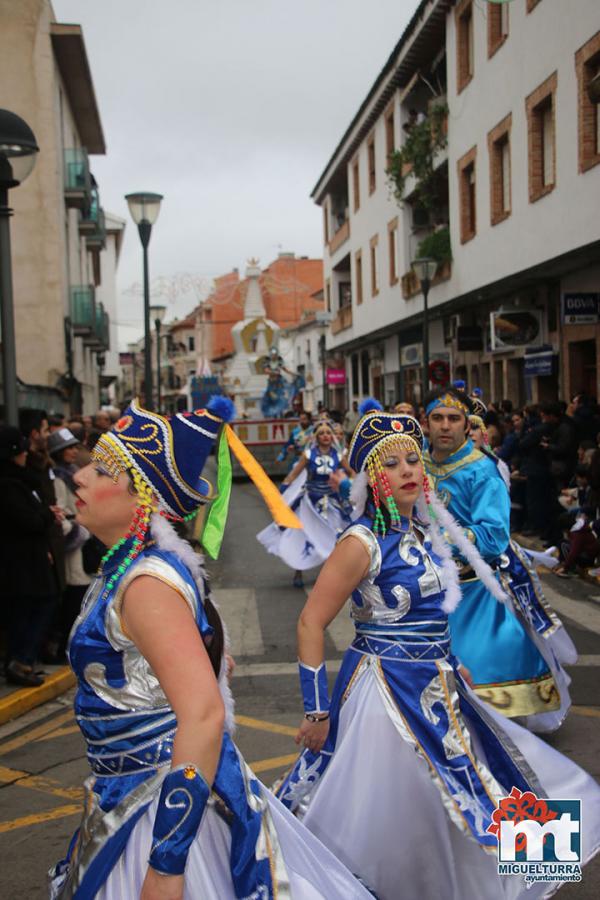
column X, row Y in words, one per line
column 46, row 558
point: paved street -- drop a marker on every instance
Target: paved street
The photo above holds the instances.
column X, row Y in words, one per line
column 41, row 755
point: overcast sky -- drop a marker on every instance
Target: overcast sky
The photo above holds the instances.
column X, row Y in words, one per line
column 231, row 109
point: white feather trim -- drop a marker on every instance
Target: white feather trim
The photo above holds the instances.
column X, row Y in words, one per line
column 504, row 472
column 358, row 495
column 441, row 548
column 167, row 539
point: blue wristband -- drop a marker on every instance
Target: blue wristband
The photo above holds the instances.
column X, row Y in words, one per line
column 183, row 798
column 313, row 683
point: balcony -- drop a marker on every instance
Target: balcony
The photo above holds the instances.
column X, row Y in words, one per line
column 83, row 312
column 412, row 286
column 343, row 320
column 91, row 224
column 78, row 179
column 340, row 237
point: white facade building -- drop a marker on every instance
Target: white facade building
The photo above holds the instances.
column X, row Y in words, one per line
column 517, row 185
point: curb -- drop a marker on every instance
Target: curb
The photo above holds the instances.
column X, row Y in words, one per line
column 21, row 701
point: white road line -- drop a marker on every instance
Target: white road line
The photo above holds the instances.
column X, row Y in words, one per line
column 246, row 670
column 588, row 659
column 240, row 614
column 580, row 611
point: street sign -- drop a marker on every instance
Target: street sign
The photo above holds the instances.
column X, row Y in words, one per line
column 538, row 363
column 581, row 308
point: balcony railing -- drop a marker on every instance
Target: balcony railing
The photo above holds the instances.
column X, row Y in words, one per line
column 78, row 180
column 83, row 311
column 342, row 320
column 340, row 237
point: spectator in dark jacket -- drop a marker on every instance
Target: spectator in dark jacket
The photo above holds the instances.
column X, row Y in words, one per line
column 561, row 443
column 28, row 574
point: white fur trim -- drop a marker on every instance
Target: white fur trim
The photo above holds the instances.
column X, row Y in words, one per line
column 167, row 539
column 358, row 494
column 453, row 593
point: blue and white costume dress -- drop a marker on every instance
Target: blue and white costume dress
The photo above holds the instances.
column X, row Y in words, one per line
column 323, row 514
column 414, row 764
column 513, row 650
column 247, row 845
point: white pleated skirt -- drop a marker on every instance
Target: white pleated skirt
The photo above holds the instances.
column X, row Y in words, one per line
column 313, row 872
column 378, row 810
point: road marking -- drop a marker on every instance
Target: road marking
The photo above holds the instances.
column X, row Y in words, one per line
column 25, row 821
column 18, row 702
column 261, row 725
column 240, row 612
column 275, row 762
column 35, row 733
column 591, row 711
column 579, row 611
column 60, row 732
column 248, row 670
column 38, row 783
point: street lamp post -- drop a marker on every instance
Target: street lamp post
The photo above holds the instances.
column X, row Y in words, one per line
column 132, row 347
column 424, row 268
column 144, row 208
column 158, row 314
column 18, row 150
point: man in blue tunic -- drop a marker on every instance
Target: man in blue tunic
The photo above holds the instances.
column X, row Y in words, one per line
column 507, row 669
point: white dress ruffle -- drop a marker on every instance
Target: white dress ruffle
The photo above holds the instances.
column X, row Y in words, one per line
column 314, row 873
column 378, row 810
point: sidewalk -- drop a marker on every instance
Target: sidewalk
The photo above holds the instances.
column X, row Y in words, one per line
column 14, row 701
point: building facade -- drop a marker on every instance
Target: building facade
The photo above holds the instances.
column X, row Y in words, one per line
column 64, row 249
column 506, row 197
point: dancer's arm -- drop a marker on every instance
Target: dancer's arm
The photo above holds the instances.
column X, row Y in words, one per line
column 346, row 466
column 162, row 627
column 343, row 571
column 291, row 476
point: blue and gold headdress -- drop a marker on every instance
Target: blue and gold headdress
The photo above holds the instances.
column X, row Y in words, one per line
column 476, row 417
column 450, row 401
column 376, row 432
column 165, row 458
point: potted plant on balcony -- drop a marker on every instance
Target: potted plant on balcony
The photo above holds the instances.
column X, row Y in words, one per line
column 437, row 246
column 417, row 155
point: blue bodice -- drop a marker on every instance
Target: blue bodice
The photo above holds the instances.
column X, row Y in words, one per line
column 318, row 469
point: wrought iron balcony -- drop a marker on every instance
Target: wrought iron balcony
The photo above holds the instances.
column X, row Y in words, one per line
column 83, row 312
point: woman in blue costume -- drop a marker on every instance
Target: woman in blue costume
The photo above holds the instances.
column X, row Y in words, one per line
column 171, row 811
column 323, row 513
column 403, row 769
column 518, row 577
column 513, row 667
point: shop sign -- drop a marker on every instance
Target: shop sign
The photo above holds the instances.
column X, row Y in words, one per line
column 412, row 355
column 537, row 364
column 125, row 359
column 512, row 328
column 581, row 308
column 335, row 376
column 469, row 337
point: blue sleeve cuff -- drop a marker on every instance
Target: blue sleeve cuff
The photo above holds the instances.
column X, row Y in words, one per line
column 313, row 684
column 183, row 798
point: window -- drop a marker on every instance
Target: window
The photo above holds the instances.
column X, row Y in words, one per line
column 355, row 186
column 354, row 369
column 540, row 109
column 358, row 274
column 364, row 372
column 467, row 195
column 328, row 294
column 308, row 350
column 500, row 179
column 497, row 26
column 587, row 65
column 390, row 137
column 191, row 343
column 464, row 44
column 371, row 162
column 374, row 252
column 393, row 250
column 326, row 222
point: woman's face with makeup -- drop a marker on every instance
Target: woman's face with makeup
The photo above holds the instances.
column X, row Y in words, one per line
column 104, row 507
column 404, row 471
